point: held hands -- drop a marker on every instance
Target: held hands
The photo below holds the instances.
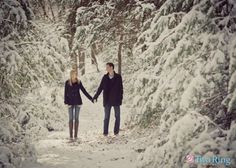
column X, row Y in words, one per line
column 93, row 100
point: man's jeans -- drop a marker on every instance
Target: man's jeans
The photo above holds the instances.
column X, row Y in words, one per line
column 107, row 119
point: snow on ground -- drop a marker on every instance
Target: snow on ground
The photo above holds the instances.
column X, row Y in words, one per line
column 91, row 149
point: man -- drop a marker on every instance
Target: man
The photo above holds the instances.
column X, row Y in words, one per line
column 112, row 88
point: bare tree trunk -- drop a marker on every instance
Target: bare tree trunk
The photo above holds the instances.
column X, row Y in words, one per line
column 58, row 10
column 74, row 61
column 82, row 62
column 50, row 5
column 119, row 54
column 99, row 47
column 71, row 28
column 42, row 4
column 93, row 56
column 71, row 20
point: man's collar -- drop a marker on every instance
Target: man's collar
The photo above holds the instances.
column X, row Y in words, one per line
column 114, row 73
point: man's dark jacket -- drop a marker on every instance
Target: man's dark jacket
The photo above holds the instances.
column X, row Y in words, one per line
column 72, row 93
column 112, row 90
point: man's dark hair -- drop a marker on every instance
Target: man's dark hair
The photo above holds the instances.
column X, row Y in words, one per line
column 110, row 64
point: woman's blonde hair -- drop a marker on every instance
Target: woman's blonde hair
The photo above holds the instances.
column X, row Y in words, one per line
column 71, row 73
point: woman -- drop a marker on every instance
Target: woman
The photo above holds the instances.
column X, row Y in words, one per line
column 73, row 99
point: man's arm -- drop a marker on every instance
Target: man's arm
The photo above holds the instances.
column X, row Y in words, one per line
column 100, row 88
column 121, row 86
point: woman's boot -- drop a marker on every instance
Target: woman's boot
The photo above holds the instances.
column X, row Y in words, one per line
column 71, row 129
column 76, row 129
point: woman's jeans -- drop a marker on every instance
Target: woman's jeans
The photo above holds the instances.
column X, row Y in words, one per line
column 74, row 112
column 107, row 110
column 74, row 115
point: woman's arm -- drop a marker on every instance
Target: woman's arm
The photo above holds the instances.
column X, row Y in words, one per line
column 100, row 88
column 65, row 93
column 85, row 92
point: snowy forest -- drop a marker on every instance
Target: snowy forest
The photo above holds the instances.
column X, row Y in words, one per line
column 177, row 59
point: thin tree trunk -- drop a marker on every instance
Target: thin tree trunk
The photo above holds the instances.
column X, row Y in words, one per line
column 93, row 56
column 119, row 54
column 71, row 20
column 82, row 62
column 71, row 27
column 42, row 3
column 74, row 61
column 50, row 5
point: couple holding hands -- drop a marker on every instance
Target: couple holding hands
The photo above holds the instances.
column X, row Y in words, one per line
column 112, row 87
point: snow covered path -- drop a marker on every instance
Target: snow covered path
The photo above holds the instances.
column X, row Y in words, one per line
column 92, row 149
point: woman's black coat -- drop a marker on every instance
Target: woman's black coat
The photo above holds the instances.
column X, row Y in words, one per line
column 72, row 93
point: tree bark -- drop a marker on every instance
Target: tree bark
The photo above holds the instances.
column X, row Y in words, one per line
column 50, row 5
column 42, row 4
column 119, row 54
column 71, row 28
column 93, row 56
column 74, row 61
column 82, row 62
